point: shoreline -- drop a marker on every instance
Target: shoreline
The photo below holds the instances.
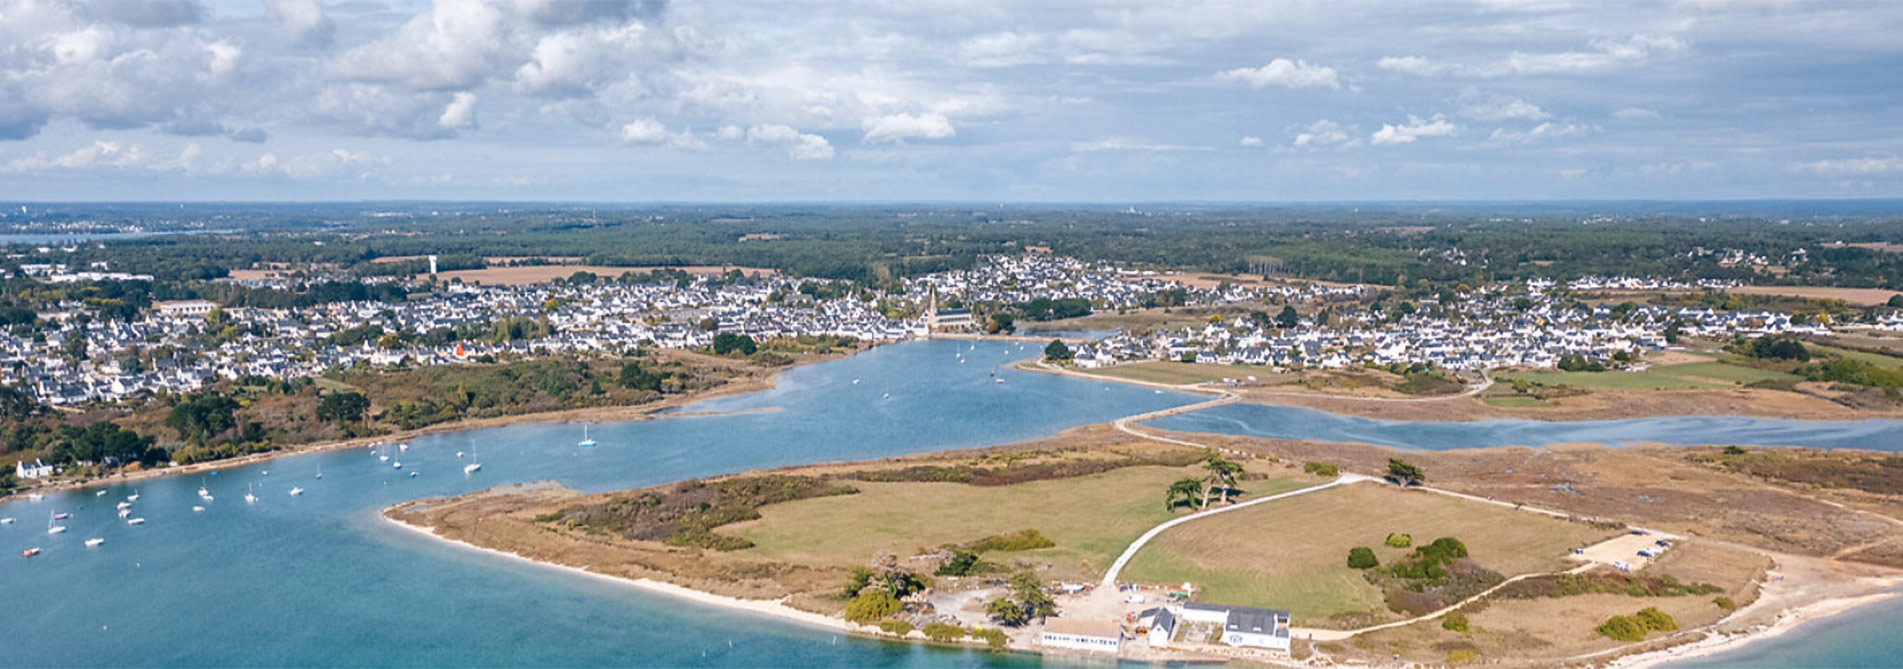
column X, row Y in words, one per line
column 773, row 608
column 1717, row 643
column 603, row 414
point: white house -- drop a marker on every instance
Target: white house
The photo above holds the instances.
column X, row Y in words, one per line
column 1242, row 626
column 185, row 307
column 32, row 471
column 1085, row 635
column 1162, row 629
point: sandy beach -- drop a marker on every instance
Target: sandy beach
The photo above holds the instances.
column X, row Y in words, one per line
column 1715, row 643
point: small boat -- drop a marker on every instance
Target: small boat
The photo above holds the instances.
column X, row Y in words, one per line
column 396, row 465
column 6, row 521
column 55, row 529
column 30, row 552
column 473, row 465
column 101, row 493
column 62, row 516
column 35, row 496
column 459, row 454
column 295, row 491
column 198, row 509
column 94, row 542
column 249, row 497
column 125, row 505
column 402, row 448
column 202, row 492
column 123, row 513
column 134, row 497
column 265, row 472
column 855, row 382
column 586, row 442
column 412, row 474
column 135, row 521
column 997, row 380
column 320, row 472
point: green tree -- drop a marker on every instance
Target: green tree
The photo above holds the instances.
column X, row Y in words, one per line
column 203, row 417
column 342, row 407
column 17, row 405
column 1288, row 318
column 728, row 342
column 1057, row 351
column 943, row 632
column 74, row 345
column 872, row 606
column 1404, row 473
column 1187, row 489
column 1362, row 557
column 632, row 376
column 1221, row 475
column 1007, row 612
column 962, row 563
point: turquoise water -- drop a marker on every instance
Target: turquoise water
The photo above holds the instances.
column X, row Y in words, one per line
column 321, row 580
column 1863, row 637
column 1280, row 422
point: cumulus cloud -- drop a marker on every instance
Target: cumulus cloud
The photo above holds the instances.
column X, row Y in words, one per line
column 1852, row 167
column 303, row 22
column 577, row 62
column 899, row 127
column 798, row 145
column 327, row 165
column 1251, row 140
column 460, row 113
column 1602, row 54
column 1479, row 107
column 1538, row 133
column 1414, row 129
column 1284, row 73
column 1322, row 133
column 650, row 132
column 453, row 46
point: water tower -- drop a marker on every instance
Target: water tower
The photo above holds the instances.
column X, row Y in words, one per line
column 432, row 265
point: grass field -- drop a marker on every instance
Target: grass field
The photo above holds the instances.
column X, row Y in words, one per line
column 1611, row 380
column 1720, row 371
column 1515, row 402
column 1091, row 518
column 1292, row 554
column 1874, row 359
column 1178, row 373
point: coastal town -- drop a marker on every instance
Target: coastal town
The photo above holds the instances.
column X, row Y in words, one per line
column 182, row 345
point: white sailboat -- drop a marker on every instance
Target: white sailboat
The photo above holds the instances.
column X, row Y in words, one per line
column 585, row 441
column 320, row 471
column 6, row 521
column 249, row 498
column 295, row 491
column 473, row 465
column 51, row 528
column 202, row 492
column 94, row 542
column 134, row 497
column 135, row 521
column 125, row 513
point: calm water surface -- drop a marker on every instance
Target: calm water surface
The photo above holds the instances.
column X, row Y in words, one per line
column 1280, row 422
column 321, row 580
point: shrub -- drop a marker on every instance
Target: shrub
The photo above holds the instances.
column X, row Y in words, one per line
column 994, row 638
column 896, row 627
column 1454, row 622
column 1024, row 540
column 1461, row 656
column 1400, row 540
column 962, row 563
column 1362, row 557
column 1656, row 620
column 1622, row 628
column 871, row 606
column 1725, row 603
column 1322, row 469
column 944, row 632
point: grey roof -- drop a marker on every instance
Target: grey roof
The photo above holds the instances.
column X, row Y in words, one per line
column 1253, row 620
column 1164, row 620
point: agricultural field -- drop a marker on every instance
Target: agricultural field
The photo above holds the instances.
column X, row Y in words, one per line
column 1090, row 518
column 1178, row 373
column 1721, row 371
column 1292, row 553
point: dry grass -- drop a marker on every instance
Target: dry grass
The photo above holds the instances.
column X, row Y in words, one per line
column 1178, row 373
column 1857, row 296
column 1091, row 518
column 1292, row 554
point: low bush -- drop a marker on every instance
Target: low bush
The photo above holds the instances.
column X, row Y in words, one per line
column 1362, row 557
column 944, row 632
column 896, row 627
column 1322, row 469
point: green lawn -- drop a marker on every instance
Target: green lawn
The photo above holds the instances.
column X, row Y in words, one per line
column 1875, row 359
column 1721, row 371
column 1178, row 373
column 1611, row 380
column 1292, row 553
column 1091, row 518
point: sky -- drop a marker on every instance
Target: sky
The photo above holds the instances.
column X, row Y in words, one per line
column 969, row 101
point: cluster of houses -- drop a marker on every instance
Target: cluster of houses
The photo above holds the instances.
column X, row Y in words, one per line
column 171, row 350
column 1184, row 625
column 1484, row 329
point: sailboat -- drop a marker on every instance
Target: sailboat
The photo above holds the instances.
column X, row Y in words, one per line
column 585, row 441
column 135, row 521
column 249, row 498
column 94, row 542
column 202, row 492
column 320, row 471
column 30, row 552
column 51, row 528
column 295, row 491
column 134, row 497
column 473, row 465
column 101, row 493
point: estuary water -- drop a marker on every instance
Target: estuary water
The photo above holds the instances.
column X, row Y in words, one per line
column 321, row 580
column 1280, row 422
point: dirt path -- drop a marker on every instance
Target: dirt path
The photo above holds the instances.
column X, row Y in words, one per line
column 1110, row 577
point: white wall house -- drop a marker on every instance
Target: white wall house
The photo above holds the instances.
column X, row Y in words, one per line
column 33, row 470
column 1242, row 626
column 1085, row 635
